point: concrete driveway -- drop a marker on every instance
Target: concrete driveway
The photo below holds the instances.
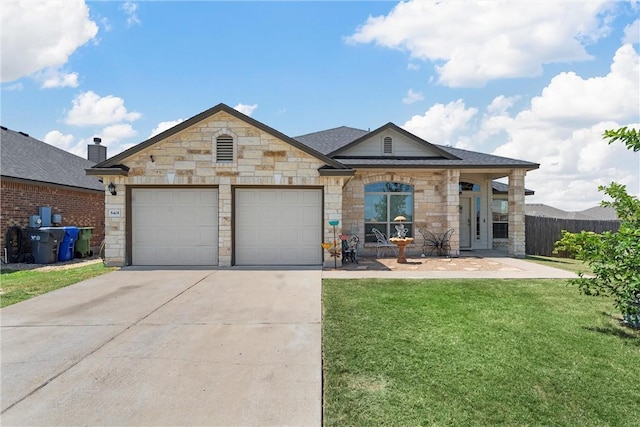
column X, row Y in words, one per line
column 167, row 347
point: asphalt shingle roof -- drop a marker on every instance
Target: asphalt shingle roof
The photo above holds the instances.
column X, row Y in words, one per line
column 28, row 158
column 328, row 141
column 331, row 140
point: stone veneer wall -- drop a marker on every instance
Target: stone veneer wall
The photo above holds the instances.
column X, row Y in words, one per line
column 435, row 204
column 190, row 155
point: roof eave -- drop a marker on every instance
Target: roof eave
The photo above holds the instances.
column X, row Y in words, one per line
column 114, row 171
column 336, row 172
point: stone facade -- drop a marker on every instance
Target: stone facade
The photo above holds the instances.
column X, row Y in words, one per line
column 188, row 158
column 262, row 157
column 435, row 201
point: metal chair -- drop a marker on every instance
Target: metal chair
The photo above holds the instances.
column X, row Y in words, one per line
column 349, row 248
column 445, row 245
column 431, row 242
column 383, row 244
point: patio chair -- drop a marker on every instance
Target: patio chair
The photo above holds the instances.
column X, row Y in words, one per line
column 431, row 242
column 383, row 244
column 350, row 248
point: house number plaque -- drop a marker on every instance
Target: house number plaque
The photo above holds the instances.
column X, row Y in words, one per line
column 114, row 213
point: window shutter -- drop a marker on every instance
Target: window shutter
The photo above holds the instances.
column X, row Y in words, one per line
column 224, row 148
column 388, row 145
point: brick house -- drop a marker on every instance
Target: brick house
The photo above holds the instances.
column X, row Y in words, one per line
column 34, row 174
column 224, row 189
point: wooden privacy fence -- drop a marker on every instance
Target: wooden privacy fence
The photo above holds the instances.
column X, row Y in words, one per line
column 541, row 232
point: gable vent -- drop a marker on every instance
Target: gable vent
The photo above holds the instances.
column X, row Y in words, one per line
column 224, row 148
column 387, row 146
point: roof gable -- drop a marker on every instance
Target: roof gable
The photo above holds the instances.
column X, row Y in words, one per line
column 24, row 157
column 408, row 145
column 116, row 160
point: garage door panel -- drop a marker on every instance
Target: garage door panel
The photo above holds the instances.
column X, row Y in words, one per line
column 276, row 227
column 175, row 226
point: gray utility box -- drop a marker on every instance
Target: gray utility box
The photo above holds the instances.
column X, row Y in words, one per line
column 45, row 242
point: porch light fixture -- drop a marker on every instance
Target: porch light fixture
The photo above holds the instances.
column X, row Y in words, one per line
column 112, row 189
column 277, row 177
column 171, row 176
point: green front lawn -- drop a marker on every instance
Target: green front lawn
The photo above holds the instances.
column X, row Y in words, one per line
column 475, row 352
column 16, row 286
column 568, row 264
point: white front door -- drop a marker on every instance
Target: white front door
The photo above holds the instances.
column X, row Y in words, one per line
column 465, row 222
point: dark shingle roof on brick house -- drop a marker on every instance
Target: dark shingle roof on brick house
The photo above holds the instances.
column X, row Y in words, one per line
column 27, row 158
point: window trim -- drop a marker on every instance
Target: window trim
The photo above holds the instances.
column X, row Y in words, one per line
column 386, row 226
column 494, row 221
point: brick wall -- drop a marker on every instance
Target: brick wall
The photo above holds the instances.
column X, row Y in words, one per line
column 18, row 201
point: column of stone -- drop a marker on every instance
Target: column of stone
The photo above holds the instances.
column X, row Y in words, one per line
column 224, row 222
column 516, row 243
column 114, row 234
column 452, row 208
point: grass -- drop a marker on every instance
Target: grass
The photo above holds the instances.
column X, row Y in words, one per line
column 475, row 353
column 16, row 286
column 568, row 264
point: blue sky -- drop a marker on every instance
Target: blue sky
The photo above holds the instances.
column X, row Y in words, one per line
column 537, row 81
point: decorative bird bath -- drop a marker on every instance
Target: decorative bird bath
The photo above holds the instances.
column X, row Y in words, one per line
column 402, row 240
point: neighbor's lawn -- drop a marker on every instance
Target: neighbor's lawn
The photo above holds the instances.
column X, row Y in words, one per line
column 475, row 352
column 16, row 286
column 568, row 264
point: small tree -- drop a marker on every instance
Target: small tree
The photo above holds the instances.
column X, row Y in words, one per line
column 614, row 257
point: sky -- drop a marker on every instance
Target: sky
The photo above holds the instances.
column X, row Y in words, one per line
column 537, row 81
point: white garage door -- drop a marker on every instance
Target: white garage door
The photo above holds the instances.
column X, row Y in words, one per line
column 278, row 227
column 174, row 226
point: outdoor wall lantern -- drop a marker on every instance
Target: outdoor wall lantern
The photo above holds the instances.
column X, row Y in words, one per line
column 277, row 178
column 112, row 189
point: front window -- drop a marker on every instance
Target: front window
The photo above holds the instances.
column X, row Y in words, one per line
column 500, row 219
column 384, row 201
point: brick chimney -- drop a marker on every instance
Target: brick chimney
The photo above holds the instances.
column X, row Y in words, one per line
column 97, row 153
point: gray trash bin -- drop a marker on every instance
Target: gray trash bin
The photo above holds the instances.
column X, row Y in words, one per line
column 45, row 242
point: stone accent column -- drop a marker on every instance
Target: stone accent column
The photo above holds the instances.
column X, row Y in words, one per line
column 452, row 208
column 332, row 211
column 115, row 226
column 516, row 243
column 224, row 222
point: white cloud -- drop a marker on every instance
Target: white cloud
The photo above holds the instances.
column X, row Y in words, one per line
column 632, row 33
column 58, row 139
column 441, row 122
column 413, row 67
column 246, row 108
column 614, row 96
column 130, row 9
column 14, row 86
column 474, row 42
column 500, row 104
column 162, row 126
column 52, row 78
column 41, row 34
column 562, row 130
column 412, row 96
column 91, row 109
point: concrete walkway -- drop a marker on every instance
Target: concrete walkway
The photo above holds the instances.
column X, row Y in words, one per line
column 512, row 269
column 167, row 347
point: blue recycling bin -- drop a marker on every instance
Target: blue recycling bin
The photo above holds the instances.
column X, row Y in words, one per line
column 65, row 253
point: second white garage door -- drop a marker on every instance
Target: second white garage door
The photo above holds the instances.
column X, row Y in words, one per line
column 278, row 226
column 174, row 226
